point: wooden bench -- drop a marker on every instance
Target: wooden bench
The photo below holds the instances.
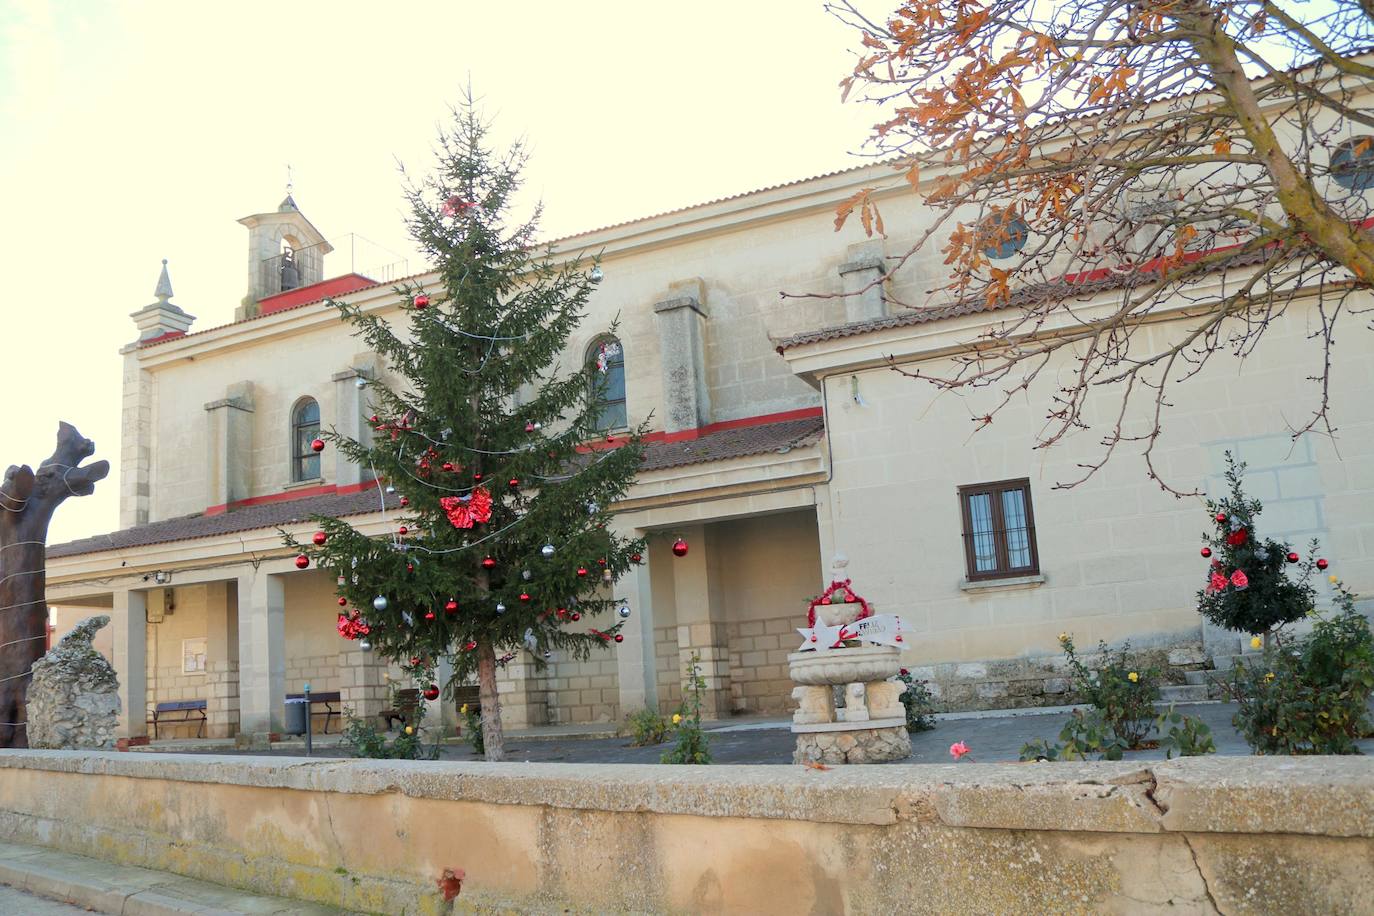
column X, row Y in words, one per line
column 327, row 698
column 191, row 711
column 406, row 707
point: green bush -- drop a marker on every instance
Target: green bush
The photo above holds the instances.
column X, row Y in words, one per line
column 1309, row 695
column 366, row 741
column 472, row 723
column 1123, row 692
column 1087, row 735
column 647, row 727
column 1186, row 736
column 692, row 745
column 920, row 706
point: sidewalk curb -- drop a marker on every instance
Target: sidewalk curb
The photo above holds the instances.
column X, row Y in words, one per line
column 131, row 891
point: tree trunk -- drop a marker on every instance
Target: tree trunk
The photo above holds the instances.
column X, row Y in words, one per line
column 27, row 502
column 492, row 738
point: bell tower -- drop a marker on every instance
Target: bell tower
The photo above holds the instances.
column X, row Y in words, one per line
column 285, row 252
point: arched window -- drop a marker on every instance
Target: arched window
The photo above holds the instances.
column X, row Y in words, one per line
column 305, row 429
column 606, row 357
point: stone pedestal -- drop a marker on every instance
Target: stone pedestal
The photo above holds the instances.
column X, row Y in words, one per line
column 871, row 725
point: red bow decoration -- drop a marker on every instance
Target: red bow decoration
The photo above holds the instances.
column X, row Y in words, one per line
column 351, row 626
column 464, row 511
column 1218, row 582
column 1239, row 579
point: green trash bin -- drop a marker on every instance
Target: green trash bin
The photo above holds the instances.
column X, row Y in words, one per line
column 297, row 710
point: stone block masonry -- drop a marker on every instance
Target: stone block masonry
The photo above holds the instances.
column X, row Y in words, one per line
column 1198, row 835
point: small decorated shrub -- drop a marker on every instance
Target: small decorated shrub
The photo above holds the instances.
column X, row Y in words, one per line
column 1248, row 583
column 1309, row 695
column 920, row 706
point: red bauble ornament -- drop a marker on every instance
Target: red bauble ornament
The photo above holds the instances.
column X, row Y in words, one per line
column 448, row 466
column 635, row 558
column 402, row 530
column 432, row 692
column 619, row 638
column 405, row 501
column 414, row 660
column 529, row 426
column 514, row 483
column 421, row 301
column 1206, row 551
column 342, row 601
column 470, row 646
column 1238, row 537
column 429, row 615
column 679, row 548
column 477, row 477
column 488, row 562
column 1221, row 518
column 581, row 572
column 576, row 616
column 524, row 596
column 451, row 605
column 410, row 567
column 1322, row 564
column 375, row 418
column 317, row 445
column 302, row 561
column 1293, row 557
column 561, row 613
column 601, row 561
column 319, row 538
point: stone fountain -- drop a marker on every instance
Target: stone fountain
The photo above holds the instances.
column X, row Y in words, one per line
column 850, row 651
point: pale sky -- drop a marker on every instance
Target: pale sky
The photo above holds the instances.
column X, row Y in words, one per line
column 139, row 131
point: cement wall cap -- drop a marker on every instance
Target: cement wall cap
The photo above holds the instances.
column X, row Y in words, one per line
column 1319, row 795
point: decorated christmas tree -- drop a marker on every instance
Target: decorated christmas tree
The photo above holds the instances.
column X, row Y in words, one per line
column 1248, row 583
column 492, row 452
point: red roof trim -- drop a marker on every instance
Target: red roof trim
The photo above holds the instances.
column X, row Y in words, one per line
column 334, row 286
column 304, row 492
column 685, row 435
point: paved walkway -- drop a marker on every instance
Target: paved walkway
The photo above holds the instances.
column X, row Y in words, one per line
column 991, row 736
column 13, row 900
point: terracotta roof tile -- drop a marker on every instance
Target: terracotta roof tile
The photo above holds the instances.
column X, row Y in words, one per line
column 781, row 436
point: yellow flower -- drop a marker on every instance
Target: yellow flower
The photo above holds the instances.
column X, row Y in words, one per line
column 1256, row 642
column 464, row 710
column 1333, row 579
column 1133, row 677
column 1269, row 676
column 409, row 730
column 677, row 719
column 1063, row 637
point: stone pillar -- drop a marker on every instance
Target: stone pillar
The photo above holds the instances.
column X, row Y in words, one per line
column 130, row 613
column 262, row 653
column 229, row 445
column 701, row 626
column 349, row 404
column 221, row 659
column 682, row 360
column 636, row 667
column 135, row 447
column 524, row 698
column 864, row 265
column 362, row 684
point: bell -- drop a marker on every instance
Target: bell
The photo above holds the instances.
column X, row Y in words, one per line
column 290, row 277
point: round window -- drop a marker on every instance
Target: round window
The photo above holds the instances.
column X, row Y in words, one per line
column 1006, row 236
column 1352, row 163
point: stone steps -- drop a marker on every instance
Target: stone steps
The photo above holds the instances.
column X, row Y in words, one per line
column 1183, row 693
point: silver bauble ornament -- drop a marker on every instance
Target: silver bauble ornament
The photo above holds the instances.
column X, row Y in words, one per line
column 500, row 608
column 547, row 551
column 596, row 274
column 624, row 612
column 364, row 645
column 548, row 655
column 592, row 508
column 379, row 603
column 526, row 575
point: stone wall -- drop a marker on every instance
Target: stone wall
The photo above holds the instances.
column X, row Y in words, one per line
column 584, row 691
column 1198, row 835
column 758, row 664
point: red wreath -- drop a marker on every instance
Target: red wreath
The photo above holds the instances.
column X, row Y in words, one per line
column 850, row 595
